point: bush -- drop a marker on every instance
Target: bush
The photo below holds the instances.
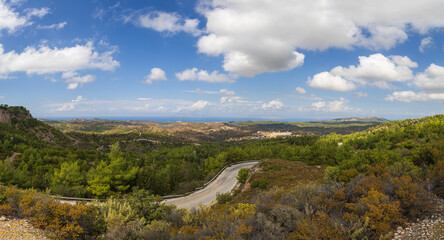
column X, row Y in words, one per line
column 382, row 213
column 242, row 176
column 223, row 198
column 436, row 179
column 259, row 183
column 6, row 209
column 414, row 199
column 64, row 220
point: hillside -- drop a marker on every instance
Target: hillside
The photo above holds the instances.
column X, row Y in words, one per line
column 371, row 119
column 360, row 185
column 212, row 131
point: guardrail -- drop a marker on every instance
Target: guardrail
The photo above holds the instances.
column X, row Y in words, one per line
column 205, row 184
column 76, row 199
column 164, row 197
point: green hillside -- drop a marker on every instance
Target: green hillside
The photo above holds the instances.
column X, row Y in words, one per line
column 354, row 186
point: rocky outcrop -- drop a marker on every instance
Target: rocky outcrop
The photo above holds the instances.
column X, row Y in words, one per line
column 5, row 117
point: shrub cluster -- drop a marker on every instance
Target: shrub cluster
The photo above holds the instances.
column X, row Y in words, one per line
column 366, row 207
column 62, row 220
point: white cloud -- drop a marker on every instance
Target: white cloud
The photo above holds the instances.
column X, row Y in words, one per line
column 377, row 67
column 44, row 60
column 71, row 105
column 339, row 105
column 431, row 80
column 2, row 97
column 328, row 81
column 231, row 99
column 34, row 12
column 199, row 105
column 11, row 20
column 410, row 96
column 74, row 80
column 264, row 36
column 273, row 105
column 156, row 74
column 226, row 92
column 425, row 43
column 194, row 74
column 301, row 90
column 404, row 96
column 376, row 70
column 169, row 22
column 56, row 26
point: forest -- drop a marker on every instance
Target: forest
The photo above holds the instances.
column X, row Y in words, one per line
column 355, row 186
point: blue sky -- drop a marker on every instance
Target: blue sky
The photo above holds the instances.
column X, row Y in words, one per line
column 307, row 59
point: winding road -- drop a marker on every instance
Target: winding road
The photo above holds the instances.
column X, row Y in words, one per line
column 225, row 182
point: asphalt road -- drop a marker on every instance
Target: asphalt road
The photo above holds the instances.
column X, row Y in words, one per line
column 224, row 183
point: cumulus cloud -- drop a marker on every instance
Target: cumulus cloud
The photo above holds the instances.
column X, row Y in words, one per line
column 194, row 74
column 71, row 105
column 199, row 105
column 9, row 19
column 328, row 81
column 431, row 80
column 376, row 70
column 425, row 43
column 405, row 96
column 273, row 105
column 56, row 26
column 156, row 74
column 410, row 96
column 169, row 22
column 44, row 60
column 263, row 36
column 431, row 83
column 300, row 90
column 339, row 105
column 74, row 80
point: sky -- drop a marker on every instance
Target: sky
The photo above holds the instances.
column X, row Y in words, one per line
column 249, row 59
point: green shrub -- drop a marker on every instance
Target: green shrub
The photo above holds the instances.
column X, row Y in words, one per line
column 242, row 176
column 259, row 183
column 223, row 198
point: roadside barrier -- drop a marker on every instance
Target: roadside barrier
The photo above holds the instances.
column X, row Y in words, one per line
column 164, row 197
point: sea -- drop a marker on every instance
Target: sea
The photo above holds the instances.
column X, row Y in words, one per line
column 179, row 119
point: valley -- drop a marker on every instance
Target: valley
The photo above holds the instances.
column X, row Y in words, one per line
column 309, row 179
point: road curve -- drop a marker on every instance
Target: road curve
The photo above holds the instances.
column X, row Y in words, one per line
column 225, row 182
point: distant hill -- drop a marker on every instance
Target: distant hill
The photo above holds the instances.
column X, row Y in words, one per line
column 12, row 115
column 17, row 124
column 371, row 119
